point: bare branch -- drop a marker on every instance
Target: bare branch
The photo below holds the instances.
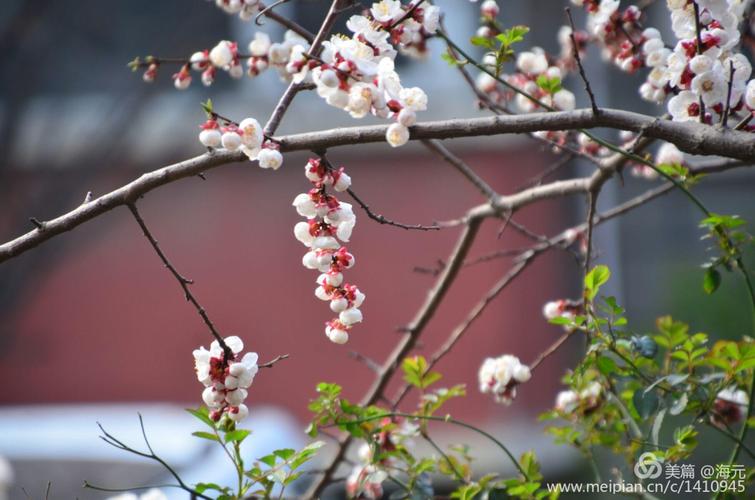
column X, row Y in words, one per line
column 378, row 217
column 688, row 136
column 465, row 170
column 273, row 361
column 184, row 282
column 284, row 21
column 578, row 59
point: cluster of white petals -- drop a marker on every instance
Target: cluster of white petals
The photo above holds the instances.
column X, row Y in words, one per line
column 585, row 400
column 700, row 73
column 328, row 221
column 561, row 308
column 246, row 9
column 730, row 406
column 500, row 376
column 247, row 136
column 226, row 378
column 367, row 475
column 356, row 73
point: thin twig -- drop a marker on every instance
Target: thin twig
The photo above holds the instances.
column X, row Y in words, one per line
column 725, row 116
column 368, row 362
column 699, row 50
column 273, row 361
column 592, row 200
column 381, row 219
column 575, row 49
column 182, row 281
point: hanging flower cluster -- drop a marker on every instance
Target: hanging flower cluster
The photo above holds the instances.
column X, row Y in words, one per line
column 226, row 380
column 329, row 220
column 246, row 136
column 225, row 56
column 584, row 401
column 500, row 376
column 730, row 407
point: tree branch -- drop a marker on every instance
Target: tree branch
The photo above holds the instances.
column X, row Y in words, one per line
column 184, row 282
column 688, row 136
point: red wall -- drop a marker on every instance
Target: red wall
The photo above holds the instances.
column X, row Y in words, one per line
column 108, row 323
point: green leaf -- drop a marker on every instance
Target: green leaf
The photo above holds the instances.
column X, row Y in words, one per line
column 205, row 435
column 236, row 436
column 202, row 487
column 512, row 35
column 606, row 365
column 203, row 415
column 207, row 107
column 416, row 372
column 548, row 84
column 481, row 41
column 657, row 424
column 285, row 453
column 645, row 402
column 679, row 405
column 451, row 60
column 711, row 280
column 268, row 460
column 598, row 276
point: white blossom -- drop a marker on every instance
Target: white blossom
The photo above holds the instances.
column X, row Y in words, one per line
column 270, row 158
column 500, row 376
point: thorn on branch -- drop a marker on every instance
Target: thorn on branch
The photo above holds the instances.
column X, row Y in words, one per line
column 39, row 225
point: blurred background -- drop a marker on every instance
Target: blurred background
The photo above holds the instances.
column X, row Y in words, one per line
column 94, row 330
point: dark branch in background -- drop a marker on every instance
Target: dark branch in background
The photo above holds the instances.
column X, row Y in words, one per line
column 438, row 148
column 184, row 282
column 285, row 22
column 369, row 362
column 578, row 59
column 381, row 219
column 592, row 201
